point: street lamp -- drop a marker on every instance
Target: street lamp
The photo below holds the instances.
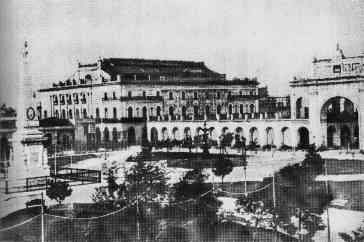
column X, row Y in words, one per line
column 245, row 164
column 205, row 141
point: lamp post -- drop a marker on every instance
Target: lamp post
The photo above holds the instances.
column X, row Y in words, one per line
column 245, row 164
column 205, row 141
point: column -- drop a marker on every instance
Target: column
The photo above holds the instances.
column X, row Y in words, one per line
column 361, row 117
column 316, row 132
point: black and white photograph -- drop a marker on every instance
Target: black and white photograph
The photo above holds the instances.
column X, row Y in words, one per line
column 182, row 121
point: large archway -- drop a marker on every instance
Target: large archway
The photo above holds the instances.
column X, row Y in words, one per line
column 269, row 136
column 154, row 135
column 286, row 138
column 339, row 121
column 165, row 134
column 131, row 136
column 303, row 138
column 253, row 135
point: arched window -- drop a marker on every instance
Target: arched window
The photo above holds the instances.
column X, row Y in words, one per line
column 252, row 108
column 144, row 94
column 130, row 94
column 105, row 113
column 183, row 95
column 70, row 114
column 195, row 112
column 97, row 113
column 106, row 135
column 114, row 135
column 45, row 114
column 77, row 113
column 154, row 135
column 170, row 96
column 218, row 109
column 98, row 136
column 230, row 109
column 114, row 113
column 144, row 111
column 105, row 96
column 158, row 111
column 158, row 94
column 184, row 112
column 131, row 136
column 130, row 112
column 171, row 111
column 63, row 114
column 241, row 108
column 84, row 113
column 207, row 111
column 195, row 95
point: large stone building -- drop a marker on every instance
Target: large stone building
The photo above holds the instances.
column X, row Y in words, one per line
column 121, row 101
column 122, row 96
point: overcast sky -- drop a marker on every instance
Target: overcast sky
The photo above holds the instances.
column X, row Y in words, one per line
column 273, row 40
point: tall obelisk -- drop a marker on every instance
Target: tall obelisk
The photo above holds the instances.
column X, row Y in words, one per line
column 29, row 156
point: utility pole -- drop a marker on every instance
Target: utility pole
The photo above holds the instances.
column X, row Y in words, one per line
column 274, row 208
column 71, row 154
column 55, row 158
column 327, row 209
column 137, row 217
column 245, row 164
column 42, row 218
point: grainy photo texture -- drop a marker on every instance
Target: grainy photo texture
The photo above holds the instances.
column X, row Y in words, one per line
column 182, row 121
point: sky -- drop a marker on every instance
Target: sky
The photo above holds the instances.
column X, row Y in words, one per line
column 271, row 40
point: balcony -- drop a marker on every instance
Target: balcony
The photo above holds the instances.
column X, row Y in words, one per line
column 121, row 120
column 142, row 98
column 233, row 98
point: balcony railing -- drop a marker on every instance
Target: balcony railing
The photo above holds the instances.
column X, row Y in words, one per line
column 142, row 98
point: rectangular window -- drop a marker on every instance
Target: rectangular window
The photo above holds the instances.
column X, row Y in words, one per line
column 337, row 68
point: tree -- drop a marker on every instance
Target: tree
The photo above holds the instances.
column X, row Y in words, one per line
column 256, row 214
column 297, row 190
column 114, row 196
column 202, row 205
column 223, row 167
column 58, row 190
column 145, row 181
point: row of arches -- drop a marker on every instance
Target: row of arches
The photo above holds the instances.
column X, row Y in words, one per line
column 267, row 136
column 114, row 136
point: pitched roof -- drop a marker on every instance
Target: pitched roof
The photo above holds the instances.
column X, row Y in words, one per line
column 180, row 69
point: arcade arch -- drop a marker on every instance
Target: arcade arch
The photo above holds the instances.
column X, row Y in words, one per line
column 154, row 135
column 339, row 123
column 303, row 137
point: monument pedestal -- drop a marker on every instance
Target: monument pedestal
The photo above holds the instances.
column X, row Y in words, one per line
column 29, row 158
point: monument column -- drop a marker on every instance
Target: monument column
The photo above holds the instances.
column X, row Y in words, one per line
column 27, row 141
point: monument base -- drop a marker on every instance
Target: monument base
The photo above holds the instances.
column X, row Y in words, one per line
column 29, row 157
